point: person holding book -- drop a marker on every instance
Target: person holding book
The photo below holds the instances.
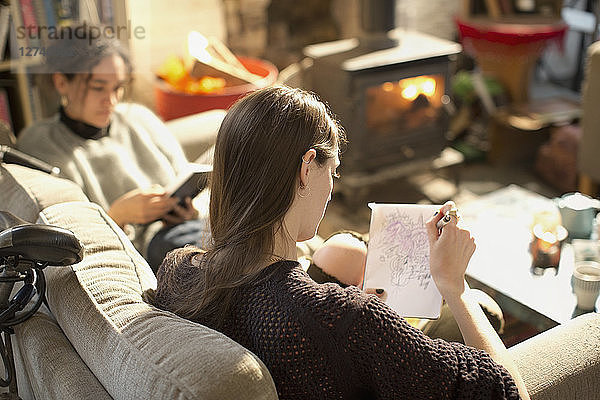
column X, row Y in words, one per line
column 121, row 154
column 276, row 157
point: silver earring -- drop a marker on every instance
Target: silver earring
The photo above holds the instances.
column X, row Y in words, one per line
column 302, row 187
column 64, row 101
column 304, row 161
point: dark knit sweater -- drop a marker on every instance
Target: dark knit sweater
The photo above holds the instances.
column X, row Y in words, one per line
column 320, row 341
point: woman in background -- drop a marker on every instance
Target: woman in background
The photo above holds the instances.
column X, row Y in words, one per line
column 120, row 154
column 276, row 156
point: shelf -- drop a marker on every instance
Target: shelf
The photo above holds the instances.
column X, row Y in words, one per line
column 30, row 99
column 8, row 65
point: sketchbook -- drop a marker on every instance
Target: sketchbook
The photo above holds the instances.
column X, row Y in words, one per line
column 398, row 259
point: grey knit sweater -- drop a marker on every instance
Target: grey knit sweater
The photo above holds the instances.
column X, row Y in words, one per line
column 138, row 151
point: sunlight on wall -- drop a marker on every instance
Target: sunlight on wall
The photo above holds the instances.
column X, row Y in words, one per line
column 435, row 17
column 167, row 24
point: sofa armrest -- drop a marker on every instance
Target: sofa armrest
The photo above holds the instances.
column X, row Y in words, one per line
column 563, row 362
column 48, row 365
column 198, row 132
column 135, row 350
column 24, row 191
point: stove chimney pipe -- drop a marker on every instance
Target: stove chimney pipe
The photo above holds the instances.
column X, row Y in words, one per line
column 378, row 17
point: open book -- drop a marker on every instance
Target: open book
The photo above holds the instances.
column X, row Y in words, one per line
column 190, row 182
column 398, row 259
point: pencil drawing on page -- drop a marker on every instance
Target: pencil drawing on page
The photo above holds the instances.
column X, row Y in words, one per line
column 398, row 258
column 405, row 249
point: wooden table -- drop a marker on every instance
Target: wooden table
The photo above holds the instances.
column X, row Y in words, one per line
column 501, row 266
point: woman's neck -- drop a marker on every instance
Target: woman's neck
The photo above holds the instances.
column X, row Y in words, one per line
column 81, row 129
column 285, row 249
column 285, row 245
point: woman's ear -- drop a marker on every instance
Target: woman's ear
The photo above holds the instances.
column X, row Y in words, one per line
column 60, row 83
column 307, row 159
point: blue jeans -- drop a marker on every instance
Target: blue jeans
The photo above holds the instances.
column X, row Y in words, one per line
column 195, row 232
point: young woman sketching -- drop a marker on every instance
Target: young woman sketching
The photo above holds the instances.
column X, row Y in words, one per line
column 275, row 161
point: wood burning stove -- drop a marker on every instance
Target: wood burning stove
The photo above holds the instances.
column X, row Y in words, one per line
column 387, row 88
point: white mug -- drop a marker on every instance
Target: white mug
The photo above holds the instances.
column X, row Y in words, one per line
column 586, row 284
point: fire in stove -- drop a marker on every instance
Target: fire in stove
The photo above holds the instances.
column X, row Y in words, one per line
column 404, row 105
column 388, row 87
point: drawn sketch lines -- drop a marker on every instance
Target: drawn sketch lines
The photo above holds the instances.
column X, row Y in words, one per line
column 404, row 247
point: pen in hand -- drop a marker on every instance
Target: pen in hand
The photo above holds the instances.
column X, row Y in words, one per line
column 447, row 218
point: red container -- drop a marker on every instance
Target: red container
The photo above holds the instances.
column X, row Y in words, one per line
column 171, row 104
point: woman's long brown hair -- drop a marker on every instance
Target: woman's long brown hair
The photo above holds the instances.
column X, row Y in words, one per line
column 258, row 155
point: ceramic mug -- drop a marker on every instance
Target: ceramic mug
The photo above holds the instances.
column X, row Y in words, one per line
column 586, row 284
column 577, row 212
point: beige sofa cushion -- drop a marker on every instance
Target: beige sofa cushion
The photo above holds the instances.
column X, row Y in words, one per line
column 135, row 350
column 54, row 370
column 563, row 362
column 26, row 191
column 197, row 132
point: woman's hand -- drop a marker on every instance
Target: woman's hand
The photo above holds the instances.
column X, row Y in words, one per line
column 180, row 213
column 450, row 252
column 141, row 206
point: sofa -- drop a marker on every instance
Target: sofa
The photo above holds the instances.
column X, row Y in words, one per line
column 99, row 339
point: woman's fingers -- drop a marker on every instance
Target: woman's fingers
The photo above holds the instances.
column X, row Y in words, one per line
column 186, row 212
column 192, row 213
column 161, row 204
column 171, row 219
column 451, row 248
column 431, row 225
column 176, row 214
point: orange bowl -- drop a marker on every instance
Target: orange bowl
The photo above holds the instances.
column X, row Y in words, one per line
column 171, row 104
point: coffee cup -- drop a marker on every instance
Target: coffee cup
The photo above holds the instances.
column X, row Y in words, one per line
column 586, row 284
column 577, row 212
